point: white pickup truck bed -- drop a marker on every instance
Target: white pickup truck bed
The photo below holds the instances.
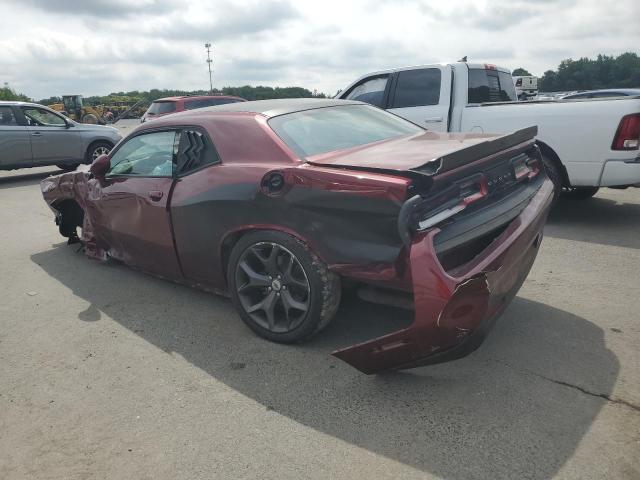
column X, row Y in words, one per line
column 576, row 136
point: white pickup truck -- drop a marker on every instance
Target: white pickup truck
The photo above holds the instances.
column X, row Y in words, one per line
column 586, row 144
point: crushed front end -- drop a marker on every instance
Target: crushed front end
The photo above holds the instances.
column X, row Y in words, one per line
column 469, row 245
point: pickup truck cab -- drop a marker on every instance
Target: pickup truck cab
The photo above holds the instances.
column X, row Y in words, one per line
column 586, row 144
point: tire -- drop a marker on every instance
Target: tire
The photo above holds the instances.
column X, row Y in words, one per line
column 95, row 150
column 554, row 173
column 90, row 118
column 68, row 168
column 580, row 193
column 273, row 271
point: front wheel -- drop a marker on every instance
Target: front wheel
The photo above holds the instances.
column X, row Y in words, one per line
column 280, row 288
column 96, row 149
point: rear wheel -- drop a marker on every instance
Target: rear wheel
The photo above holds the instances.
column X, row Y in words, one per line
column 555, row 175
column 68, row 168
column 280, row 288
column 96, row 149
column 580, row 193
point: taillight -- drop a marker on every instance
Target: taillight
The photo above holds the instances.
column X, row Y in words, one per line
column 490, row 66
column 628, row 133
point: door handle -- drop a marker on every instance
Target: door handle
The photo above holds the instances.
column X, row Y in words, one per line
column 155, row 195
column 433, row 120
column 36, row 134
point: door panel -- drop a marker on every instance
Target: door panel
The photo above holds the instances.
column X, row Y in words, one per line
column 15, row 145
column 51, row 140
column 422, row 96
column 131, row 220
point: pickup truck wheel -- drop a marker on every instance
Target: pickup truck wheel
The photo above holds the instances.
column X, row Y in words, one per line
column 580, row 193
column 280, row 288
column 554, row 174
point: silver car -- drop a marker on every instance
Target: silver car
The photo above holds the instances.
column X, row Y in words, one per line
column 32, row 135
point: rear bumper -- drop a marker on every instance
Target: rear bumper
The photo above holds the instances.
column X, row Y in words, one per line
column 453, row 314
column 619, row 172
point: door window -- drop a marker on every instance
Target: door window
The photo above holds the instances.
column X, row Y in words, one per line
column 147, row 155
column 370, row 91
column 7, row 118
column 42, row 118
column 417, row 88
column 490, row 86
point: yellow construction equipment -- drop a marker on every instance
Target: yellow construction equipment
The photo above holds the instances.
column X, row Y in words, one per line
column 73, row 108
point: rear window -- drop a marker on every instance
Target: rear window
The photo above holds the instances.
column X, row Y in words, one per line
column 416, row 88
column 323, row 130
column 208, row 102
column 157, row 108
column 487, row 86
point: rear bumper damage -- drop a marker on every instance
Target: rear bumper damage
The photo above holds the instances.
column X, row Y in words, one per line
column 454, row 312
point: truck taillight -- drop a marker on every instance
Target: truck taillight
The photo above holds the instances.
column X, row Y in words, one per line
column 628, row 133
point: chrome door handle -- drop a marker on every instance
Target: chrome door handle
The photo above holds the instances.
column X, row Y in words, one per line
column 36, row 134
column 433, row 120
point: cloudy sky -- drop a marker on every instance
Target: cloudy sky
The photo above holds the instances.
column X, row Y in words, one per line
column 54, row 47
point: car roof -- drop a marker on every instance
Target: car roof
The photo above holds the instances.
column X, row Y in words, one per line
column 195, row 97
column 273, row 108
column 16, row 102
column 623, row 91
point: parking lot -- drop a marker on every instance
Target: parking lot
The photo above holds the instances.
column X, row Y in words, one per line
column 106, row 372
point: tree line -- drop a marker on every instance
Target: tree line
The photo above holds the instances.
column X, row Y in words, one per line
column 603, row 71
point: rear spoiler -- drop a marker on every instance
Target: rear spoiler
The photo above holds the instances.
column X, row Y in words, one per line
column 461, row 157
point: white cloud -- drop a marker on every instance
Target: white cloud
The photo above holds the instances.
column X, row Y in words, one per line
column 49, row 48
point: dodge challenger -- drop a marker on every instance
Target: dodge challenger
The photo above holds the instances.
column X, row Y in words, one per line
column 276, row 203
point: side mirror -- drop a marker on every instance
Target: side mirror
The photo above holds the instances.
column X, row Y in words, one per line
column 100, row 166
column 68, row 124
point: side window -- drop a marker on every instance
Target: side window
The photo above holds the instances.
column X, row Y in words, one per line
column 416, row 88
column 43, row 118
column 370, row 91
column 7, row 118
column 147, row 155
column 194, row 152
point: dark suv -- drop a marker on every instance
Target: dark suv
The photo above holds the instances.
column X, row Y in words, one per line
column 165, row 106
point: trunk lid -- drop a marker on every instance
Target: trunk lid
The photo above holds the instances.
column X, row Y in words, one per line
column 427, row 153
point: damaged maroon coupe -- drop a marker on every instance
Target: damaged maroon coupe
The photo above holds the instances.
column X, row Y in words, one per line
column 276, row 202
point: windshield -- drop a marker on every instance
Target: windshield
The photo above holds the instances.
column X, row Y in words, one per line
column 323, row 130
column 157, row 108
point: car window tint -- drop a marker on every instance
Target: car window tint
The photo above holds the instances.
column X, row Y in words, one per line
column 370, row 91
column 322, row 130
column 41, row 117
column 7, row 118
column 149, row 155
column 416, row 88
column 157, row 108
column 490, row 86
column 194, row 151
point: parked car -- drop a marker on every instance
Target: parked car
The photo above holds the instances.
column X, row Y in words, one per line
column 604, row 93
column 168, row 105
column 276, row 202
column 32, row 135
column 526, row 86
column 585, row 145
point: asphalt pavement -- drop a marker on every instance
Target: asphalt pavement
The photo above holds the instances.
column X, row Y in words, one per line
column 106, row 372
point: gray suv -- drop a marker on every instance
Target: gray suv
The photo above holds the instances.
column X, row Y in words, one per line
column 32, row 135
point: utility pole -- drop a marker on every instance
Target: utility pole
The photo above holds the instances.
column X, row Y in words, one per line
column 208, row 47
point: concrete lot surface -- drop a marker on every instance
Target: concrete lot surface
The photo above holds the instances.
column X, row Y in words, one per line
column 107, row 373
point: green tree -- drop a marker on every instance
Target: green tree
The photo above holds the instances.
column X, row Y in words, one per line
column 520, row 72
column 604, row 71
column 7, row 93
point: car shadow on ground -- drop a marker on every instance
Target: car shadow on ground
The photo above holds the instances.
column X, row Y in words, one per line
column 513, row 409
column 22, row 180
column 596, row 220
